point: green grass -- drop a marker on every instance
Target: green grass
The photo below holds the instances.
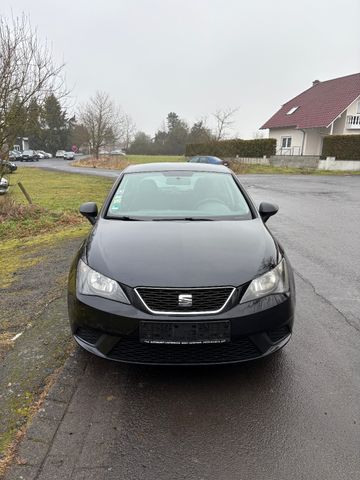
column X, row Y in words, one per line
column 155, row 158
column 53, row 216
column 243, row 169
column 121, row 162
column 58, row 192
column 56, row 199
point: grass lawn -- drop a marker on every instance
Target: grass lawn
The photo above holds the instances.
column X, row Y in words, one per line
column 154, row 158
column 121, row 162
column 243, row 169
column 53, row 216
column 56, row 199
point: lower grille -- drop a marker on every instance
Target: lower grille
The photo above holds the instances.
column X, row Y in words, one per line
column 199, row 300
column 131, row 350
column 278, row 334
column 89, row 335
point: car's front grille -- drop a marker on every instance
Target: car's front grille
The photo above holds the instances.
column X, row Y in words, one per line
column 129, row 349
column 278, row 334
column 197, row 300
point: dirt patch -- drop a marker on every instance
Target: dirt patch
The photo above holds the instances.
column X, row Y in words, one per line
column 111, row 162
column 34, row 333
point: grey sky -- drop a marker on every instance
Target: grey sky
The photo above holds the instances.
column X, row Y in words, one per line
column 194, row 56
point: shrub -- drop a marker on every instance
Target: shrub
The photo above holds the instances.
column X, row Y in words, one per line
column 342, row 147
column 230, row 148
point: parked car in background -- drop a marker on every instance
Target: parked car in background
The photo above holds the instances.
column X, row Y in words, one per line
column 45, row 154
column 117, row 152
column 29, row 156
column 104, row 152
column 40, row 155
column 208, row 159
column 4, row 185
column 14, row 155
column 9, row 167
column 69, row 156
column 60, row 154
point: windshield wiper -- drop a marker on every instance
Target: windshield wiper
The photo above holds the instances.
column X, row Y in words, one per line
column 129, row 219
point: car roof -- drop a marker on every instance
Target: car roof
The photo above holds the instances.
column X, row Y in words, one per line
column 175, row 166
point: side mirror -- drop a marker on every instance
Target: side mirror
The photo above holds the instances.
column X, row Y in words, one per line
column 90, row 211
column 267, row 210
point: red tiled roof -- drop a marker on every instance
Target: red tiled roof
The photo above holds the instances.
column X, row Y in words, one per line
column 319, row 105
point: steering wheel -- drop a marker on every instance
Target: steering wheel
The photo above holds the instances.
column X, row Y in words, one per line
column 209, row 200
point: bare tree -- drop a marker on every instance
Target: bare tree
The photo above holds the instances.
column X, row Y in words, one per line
column 128, row 131
column 27, row 73
column 224, row 121
column 103, row 121
column 258, row 135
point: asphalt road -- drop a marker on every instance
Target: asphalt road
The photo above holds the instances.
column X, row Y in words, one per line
column 61, row 165
column 293, row 416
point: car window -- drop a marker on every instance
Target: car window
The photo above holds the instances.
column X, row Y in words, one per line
column 179, row 194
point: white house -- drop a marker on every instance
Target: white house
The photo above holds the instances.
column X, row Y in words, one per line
column 327, row 108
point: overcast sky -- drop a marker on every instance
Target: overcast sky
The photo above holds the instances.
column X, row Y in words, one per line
column 194, row 56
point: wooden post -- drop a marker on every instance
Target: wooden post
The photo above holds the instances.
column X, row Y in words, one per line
column 27, row 196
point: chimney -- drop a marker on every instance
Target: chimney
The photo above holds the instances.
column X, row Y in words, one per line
column 315, row 82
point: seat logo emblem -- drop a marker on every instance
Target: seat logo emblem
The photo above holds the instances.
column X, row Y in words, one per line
column 185, row 300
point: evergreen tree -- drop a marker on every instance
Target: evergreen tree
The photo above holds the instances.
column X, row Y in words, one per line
column 56, row 128
column 199, row 133
column 33, row 127
column 142, row 145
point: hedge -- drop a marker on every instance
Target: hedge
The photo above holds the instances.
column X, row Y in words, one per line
column 342, row 147
column 232, row 148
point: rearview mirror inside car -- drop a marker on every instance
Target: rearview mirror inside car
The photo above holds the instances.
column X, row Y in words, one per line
column 267, row 210
column 90, row 211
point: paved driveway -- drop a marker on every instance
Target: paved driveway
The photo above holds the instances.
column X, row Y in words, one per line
column 61, row 165
column 293, row 416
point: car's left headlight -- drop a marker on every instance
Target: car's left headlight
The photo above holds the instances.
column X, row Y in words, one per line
column 274, row 281
column 90, row 282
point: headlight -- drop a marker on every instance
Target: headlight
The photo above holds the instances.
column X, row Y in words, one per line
column 275, row 281
column 90, row 282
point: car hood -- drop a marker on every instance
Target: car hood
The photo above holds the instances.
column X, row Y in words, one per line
column 181, row 253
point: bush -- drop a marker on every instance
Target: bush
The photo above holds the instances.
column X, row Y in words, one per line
column 342, row 147
column 230, row 148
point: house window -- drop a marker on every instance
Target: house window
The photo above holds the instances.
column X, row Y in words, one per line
column 285, row 142
column 292, row 110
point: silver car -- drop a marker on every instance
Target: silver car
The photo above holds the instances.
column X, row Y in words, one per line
column 4, row 185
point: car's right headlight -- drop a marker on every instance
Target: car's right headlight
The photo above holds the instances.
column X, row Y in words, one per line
column 91, row 282
column 274, row 281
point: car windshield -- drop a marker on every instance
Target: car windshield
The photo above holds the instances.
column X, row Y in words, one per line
column 176, row 195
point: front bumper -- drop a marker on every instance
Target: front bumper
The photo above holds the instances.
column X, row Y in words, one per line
column 110, row 330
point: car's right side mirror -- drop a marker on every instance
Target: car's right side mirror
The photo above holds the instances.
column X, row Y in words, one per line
column 90, row 211
column 267, row 210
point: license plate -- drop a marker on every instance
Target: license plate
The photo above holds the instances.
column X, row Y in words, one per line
column 185, row 332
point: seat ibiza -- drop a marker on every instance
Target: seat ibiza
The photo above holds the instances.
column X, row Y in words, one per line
column 180, row 268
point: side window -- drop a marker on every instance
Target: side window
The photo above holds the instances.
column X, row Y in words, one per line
column 285, row 142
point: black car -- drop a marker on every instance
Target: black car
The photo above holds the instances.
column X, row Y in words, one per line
column 29, row 156
column 180, row 268
column 208, row 159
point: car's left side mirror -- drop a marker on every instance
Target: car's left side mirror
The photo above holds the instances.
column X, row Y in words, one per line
column 267, row 210
column 90, row 211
